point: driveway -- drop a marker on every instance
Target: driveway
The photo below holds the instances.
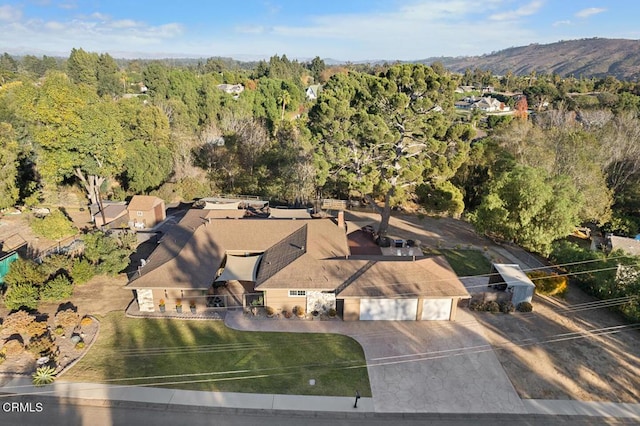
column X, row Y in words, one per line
column 417, row 366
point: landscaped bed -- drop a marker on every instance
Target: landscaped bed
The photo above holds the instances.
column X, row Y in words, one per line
column 206, row 355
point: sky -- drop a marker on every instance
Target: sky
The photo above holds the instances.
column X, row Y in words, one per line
column 346, row 30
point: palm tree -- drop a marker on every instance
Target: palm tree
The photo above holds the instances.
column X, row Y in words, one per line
column 284, row 99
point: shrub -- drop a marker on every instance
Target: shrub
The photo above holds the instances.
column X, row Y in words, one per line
column 21, row 295
column 59, row 331
column 269, row 311
column 506, row 307
column 37, row 328
column 13, row 347
column 41, row 346
column 67, row 318
column 58, row 289
column 298, row 310
column 80, row 345
column 82, row 271
column 54, row 264
column 476, row 305
column 548, row 284
column 525, row 307
column 18, row 322
column 287, row 314
column 86, row 321
column 332, row 312
column 24, row 272
column 44, row 376
column 53, row 226
column 492, row 306
column 3, row 355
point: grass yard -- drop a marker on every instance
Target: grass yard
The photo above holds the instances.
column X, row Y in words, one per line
column 466, row 262
column 206, row 355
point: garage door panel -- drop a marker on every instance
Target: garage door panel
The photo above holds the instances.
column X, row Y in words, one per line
column 388, row 309
column 436, row 309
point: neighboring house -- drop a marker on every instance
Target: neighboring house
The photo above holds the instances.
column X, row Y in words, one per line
column 489, row 104
column 628, row 245
column 145, row 211
column 207, row 261
column 112, row 212
column 232, row 89
column 313, row 91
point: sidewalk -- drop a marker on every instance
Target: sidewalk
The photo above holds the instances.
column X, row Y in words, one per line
column 105, row 395
column 99, row 394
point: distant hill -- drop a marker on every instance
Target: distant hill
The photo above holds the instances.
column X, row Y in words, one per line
column 593, row 57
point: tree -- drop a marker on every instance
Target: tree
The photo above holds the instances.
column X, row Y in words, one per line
column 381, row 136
column 106, row 252
column 21, row 296
column 24, row 271
column 57, row 289
column 54, row 226
column 530, row 208
column 8, row 166
column 316, row 66
column 82, row 67
column 108, row 81
column 284, row 98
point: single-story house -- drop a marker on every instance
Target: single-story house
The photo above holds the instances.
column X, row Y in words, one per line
column 286, row 263
column 511, row 278
column 145, row 211
column 232, row 89
column 628, row 245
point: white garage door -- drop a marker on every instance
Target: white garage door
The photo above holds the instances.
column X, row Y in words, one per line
column 388, row 309
column 436, row 309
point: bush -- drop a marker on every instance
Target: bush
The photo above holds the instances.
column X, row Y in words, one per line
column 86, row 321
column 298, row 310
column 21, row 295
column 82, row 271
column 286, row 314
column 3, row 355
column 492, row 306
column 53, row 226
column 13, row 347
column 80, row 345
column 476, row 305
column 41, row 346
column 18, row 322
column 269, row 311
column 548, row 284
column 506, row 307
column 59, row 330
column 332, row 312
column 58, row 289
column 55, row 264
column 67, row 318
column 525, row 307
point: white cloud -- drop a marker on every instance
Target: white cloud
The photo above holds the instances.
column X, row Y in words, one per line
column 9, row 13
column 526, row 10
column 54, row 26
column 100, row 16
column 562, row 23
column 126, row 23
column 585, row 13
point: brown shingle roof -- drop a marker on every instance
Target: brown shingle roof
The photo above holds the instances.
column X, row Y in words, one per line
column 143, row 202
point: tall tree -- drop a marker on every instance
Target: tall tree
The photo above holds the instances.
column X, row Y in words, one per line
column 530, row 208
column 107, row 77
column 8, row 166
column 82, row 67
column 381, row 136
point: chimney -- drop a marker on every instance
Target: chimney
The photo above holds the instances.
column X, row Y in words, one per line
column 341, row 219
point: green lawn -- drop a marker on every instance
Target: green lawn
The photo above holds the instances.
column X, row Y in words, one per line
column 206, row 355
column 466, row 262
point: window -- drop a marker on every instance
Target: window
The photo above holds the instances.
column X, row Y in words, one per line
column 297, row 293
column 140, row 213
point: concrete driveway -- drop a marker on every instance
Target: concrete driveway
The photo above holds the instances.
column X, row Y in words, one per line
column 428, row 366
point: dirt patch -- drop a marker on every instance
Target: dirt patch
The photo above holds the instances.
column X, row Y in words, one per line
column 589, row 355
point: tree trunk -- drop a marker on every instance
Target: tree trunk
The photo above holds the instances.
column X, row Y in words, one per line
column 384, row 212
column 91, row 185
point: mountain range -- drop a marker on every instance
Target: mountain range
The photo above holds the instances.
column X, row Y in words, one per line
column 593, row 57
